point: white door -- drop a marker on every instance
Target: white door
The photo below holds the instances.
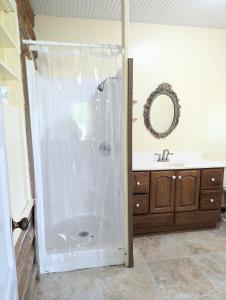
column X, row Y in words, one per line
column 8, row 282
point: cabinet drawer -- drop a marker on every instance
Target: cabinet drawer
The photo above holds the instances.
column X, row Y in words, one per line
column 154, row 220
column 210, row 200
column 140, row 204
column 212, row 179
column 140, row 182
column 195, row 218
column 153, row 223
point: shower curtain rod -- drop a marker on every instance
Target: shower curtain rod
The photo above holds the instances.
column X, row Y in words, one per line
column 53, row 43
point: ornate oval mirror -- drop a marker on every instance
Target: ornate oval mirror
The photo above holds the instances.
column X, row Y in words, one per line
column 162, row 111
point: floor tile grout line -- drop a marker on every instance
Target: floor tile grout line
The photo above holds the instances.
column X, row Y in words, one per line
column 161, row 288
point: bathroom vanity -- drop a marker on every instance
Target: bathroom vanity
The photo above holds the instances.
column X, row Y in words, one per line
column 181, row 197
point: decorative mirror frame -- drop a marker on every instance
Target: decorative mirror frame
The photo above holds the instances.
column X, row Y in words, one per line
column 162, row 89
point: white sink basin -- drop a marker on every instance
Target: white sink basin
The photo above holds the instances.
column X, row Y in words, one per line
column 168, row 164
column 183, row 160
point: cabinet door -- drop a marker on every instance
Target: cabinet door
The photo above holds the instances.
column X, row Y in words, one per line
column 187, row 190
column 162, row 191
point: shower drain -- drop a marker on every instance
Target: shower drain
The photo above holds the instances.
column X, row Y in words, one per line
column 83, row 234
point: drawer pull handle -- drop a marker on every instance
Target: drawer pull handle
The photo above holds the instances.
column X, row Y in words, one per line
column 137, row 205
column 211, row 200
column 174, row 177
column 138, row 183
column 179, row 177
column 212, row 179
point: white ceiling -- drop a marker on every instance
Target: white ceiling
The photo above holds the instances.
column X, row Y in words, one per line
column 201, row 13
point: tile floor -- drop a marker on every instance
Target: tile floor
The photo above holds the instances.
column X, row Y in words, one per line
column 178, row 266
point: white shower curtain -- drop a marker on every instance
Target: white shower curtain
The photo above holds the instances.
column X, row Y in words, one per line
column 77, row 137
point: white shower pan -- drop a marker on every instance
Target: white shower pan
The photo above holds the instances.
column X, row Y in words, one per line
column 79, row 245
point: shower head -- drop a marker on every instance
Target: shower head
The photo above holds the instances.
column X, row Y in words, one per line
column 101, row 85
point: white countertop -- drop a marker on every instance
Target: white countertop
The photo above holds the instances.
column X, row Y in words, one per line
column 147, row 161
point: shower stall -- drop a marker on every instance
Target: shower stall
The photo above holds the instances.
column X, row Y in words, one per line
column 76, row 106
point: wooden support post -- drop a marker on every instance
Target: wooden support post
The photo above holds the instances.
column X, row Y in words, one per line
column 128, row 221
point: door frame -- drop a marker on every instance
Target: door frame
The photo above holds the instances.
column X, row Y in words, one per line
column 130, row 162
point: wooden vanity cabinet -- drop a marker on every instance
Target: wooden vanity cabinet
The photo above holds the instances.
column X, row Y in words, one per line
column 177, row 199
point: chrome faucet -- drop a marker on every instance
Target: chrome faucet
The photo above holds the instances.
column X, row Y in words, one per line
column 164, row 156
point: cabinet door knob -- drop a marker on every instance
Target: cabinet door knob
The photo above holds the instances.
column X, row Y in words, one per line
column 174, row 177
column 138, row 183
column 22, row 224
column 211, row 200
column 137, row 205
column 179, row 177
column 212, row 179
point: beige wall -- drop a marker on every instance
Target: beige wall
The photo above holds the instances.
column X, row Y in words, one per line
column 192, row 60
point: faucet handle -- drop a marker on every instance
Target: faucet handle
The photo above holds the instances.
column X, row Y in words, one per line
column 159, row 155
column 167, row 155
